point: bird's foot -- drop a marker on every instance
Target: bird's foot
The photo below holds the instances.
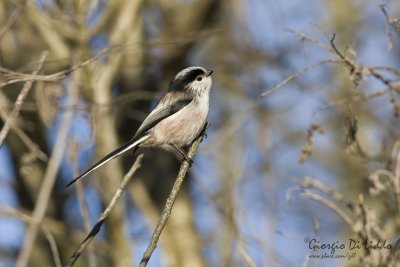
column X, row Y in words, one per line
column 188, row 160
column 203, row 133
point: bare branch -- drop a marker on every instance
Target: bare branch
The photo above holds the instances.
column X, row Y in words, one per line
column 53, row 246
column 106, row 212
column 32, row 146
column 296, row 75
column 54, row 77
column 246, row 256
column 354, row 69
column 83, row 205
column 328, row 203
column 362, row 97
column 389, row 20
column 170, row 201
column 303, row 36
column 309, row 183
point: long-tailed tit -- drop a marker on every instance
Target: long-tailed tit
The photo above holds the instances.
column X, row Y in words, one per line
column 176, row 121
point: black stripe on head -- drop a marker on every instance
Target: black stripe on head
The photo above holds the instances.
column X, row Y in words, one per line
column 182, row 80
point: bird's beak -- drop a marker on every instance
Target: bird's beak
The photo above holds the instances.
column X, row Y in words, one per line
column 209, row 72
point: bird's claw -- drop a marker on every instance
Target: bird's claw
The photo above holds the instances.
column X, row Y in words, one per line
column 190, row 161
column 203, row 134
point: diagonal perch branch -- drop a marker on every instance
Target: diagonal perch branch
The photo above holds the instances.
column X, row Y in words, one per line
column 106, row 213
column 171, row 199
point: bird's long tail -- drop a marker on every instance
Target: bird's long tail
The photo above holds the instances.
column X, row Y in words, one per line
column 122, row 149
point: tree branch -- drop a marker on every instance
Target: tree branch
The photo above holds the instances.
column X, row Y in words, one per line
column 106, row 213
column 170, row 201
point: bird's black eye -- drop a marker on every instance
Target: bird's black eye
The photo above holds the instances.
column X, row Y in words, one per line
column 199, row 78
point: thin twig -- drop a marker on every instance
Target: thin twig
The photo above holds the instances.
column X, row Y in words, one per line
column 306, row 37
column 389, row 36
column 341, row 56
column 355, row 70
column 170, row 201
column 388, row 69
column 20, row 99
column 32, row 146
column 361, row 97
column 106, row 212
column 307, row 194
column 53, row 246
column 309, row 182
column 245, row 255
column 57, row 76
column 296, row 75
column 80, row 192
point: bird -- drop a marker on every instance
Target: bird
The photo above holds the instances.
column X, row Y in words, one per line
column 175, row 122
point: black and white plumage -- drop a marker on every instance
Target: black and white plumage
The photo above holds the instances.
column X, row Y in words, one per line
column 177, row 119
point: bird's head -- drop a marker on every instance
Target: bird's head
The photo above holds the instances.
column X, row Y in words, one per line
column 194, row 79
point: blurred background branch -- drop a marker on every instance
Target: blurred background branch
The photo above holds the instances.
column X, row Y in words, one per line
column 104, row 215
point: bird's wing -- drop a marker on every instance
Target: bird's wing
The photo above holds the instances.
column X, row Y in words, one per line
column 162, row 111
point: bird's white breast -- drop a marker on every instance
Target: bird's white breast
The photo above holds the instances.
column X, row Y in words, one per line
column 184, row 126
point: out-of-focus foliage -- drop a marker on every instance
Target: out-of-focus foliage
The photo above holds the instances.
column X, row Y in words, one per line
column 295, row 115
